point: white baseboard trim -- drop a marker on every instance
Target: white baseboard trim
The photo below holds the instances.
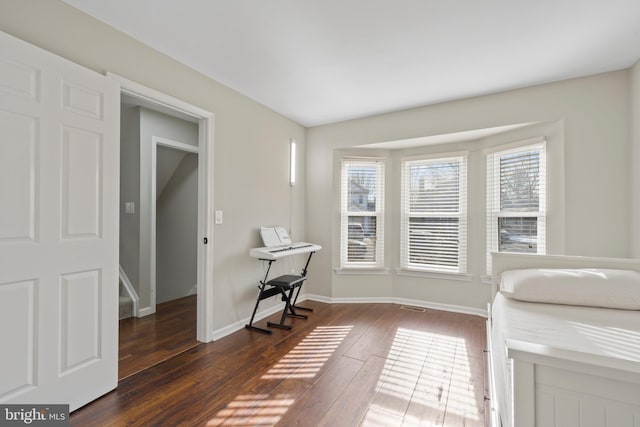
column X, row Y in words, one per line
column 193, row 290
column 401, row 301
column 314, row 297
column 128, row 287
column 236, row 326
column 440, row 306
column 145, row 311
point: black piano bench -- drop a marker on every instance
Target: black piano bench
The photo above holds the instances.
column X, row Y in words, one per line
column 287, row 281
column 287, row 285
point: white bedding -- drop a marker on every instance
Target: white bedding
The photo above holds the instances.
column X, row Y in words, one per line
column 601, row 331
column 591, row 287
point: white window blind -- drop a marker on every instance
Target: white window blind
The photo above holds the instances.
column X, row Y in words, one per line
column 516, row 200
column 434, row 214
column 362, row 213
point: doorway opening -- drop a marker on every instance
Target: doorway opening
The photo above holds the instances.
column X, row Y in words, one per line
column 142, row 264
column 174, row 214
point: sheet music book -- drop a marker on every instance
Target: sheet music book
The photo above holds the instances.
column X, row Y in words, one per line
column 274, row 236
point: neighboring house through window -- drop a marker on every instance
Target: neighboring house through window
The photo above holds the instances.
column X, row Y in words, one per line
column 434, row 213
column 362, row 213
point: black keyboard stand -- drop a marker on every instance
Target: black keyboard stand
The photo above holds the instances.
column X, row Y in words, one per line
column 288, row 287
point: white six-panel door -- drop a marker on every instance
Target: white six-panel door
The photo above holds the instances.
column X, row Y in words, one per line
column 59, row 179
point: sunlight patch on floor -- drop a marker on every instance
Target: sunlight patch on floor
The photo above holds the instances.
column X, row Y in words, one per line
column 253, row 410
column 303, row 361
column 308, row 357
column 425, row 376
column 463, row 401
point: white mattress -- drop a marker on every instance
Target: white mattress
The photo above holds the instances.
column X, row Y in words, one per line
column 599, row 331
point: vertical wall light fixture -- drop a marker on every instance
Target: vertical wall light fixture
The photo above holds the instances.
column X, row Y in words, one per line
column 292, row 162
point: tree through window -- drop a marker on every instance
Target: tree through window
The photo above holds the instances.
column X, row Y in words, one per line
column 516, row 194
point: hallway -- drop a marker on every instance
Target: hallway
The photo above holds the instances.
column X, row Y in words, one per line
column 150, row 340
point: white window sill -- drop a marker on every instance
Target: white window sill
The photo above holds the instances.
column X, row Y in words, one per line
column 460, row 277
column 362, row 270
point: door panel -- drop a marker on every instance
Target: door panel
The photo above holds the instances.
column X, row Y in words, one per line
column 18, row 177
column 59, row 160
column 81, row 186
column 80, row 331
column 18, row 367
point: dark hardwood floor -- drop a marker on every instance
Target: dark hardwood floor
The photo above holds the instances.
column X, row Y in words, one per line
column 347, row 365
column 149, row 340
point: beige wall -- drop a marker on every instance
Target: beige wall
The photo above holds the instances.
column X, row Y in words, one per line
column 635, row 158
column 177, row 232
column 251, row 154
column 593, row 115
column 251, row 148
column 130, row 192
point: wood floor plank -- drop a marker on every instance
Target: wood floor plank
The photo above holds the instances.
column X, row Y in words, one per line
column 260, row 408
column 347, row 365
column 428, row 402
column 356, row 398
column 149, row 340
column 465, row 405
column 376, row 417
column 379, row 335
column 313, row 405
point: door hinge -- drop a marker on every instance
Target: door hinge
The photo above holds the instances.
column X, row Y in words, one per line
column 205, row 240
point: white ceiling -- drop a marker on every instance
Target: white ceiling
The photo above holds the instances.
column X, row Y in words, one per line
column 323, row 61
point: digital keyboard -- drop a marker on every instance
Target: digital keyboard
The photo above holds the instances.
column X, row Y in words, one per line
column 277, row 252
column 287, row 286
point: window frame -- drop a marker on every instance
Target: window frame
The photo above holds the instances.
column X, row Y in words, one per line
column 379, row 163
column 461, row 215
column 493, row 203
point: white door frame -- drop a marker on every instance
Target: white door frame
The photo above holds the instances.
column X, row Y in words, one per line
column 176, row 107
column 180, row 146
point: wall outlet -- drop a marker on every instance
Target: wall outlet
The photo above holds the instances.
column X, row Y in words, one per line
column 218, row 217
column 129, row 207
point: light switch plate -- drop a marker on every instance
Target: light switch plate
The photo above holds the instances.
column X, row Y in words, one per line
column 218, row 217
column 129, row 207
